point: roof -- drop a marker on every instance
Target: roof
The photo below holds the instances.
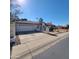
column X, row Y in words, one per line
column 33, row 23
column 49, row 24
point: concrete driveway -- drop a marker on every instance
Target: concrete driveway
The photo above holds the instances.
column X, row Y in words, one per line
column 32, row 45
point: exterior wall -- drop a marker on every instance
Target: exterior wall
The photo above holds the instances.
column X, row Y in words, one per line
column 26, row 27
column 47, row 29
column 12, row 29
column 12, row 32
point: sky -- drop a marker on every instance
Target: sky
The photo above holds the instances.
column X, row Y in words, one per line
column 54, row 11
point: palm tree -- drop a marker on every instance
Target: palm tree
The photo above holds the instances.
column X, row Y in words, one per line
column 41, row 22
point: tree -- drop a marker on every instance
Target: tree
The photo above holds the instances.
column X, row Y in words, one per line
column 67, row 26
column 14, row 10
column 41, row 23
column 52, row 28
column 40, row 20
column 24, row 19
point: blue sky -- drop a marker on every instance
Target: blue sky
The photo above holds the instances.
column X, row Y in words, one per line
column 54, row 11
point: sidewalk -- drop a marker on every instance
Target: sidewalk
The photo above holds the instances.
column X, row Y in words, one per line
column 32, row 42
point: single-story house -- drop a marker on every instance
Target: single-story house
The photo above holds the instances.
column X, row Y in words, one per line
column 29, row 26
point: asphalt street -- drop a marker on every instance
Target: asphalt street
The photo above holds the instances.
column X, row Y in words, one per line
column 58, row 51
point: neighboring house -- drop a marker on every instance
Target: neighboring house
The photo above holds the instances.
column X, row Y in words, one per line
column 61, row 29
column 29, row 26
